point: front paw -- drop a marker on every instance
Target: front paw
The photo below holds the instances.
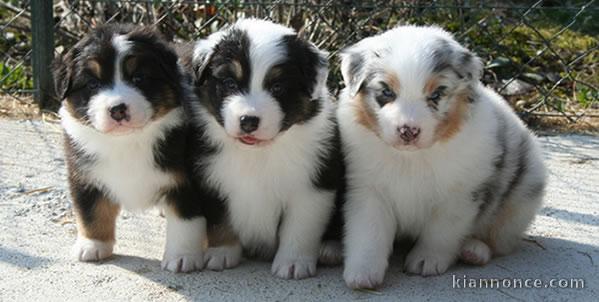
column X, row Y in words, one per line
column 183, row 263
column 364, row 274
column 222, row 257
column 427, row 262
column 89, row 250
column 294, row 267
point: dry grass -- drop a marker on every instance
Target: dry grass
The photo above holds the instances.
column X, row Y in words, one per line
column 23, row 107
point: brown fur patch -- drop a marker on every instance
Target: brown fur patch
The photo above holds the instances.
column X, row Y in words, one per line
column 237, row 69
column 102, row 227
column 94, row 66
column 431, row 85
column 168, row 102
column 131, row 64
column 504, row 214
column 454, row 119
column 222, row 235
column 393, row 82
column 364, row 113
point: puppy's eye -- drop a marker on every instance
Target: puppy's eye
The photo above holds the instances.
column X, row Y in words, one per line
column 93, row 84
column 276, row 89
column 437, row 94
column 230, row 84
column 385, row 96
column 388, row 93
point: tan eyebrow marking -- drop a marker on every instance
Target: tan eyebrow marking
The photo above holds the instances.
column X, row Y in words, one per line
column 237, row 69
column 364, row 113
column 94, row 66
column 131, row 64
column 392, row 81
column 431, row 85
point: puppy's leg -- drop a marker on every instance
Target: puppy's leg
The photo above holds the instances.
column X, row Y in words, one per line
column 96, row 220
column 301, row 230
column 510, row 223
column 185, row 240
column 441, row 238
column 370, row 231
column 224, row 249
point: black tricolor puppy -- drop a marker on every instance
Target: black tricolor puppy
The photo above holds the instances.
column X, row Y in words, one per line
column 267, row 150
column 125, row 136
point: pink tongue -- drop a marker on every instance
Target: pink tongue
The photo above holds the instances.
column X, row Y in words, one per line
column 249, row 140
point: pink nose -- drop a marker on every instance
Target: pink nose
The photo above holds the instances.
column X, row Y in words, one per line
column 407, row 133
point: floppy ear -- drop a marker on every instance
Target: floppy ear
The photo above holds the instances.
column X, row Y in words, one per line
column 202, row 53
column 353, row 69
column 62, row 75
column 469, row 64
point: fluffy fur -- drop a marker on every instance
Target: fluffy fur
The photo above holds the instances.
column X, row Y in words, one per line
column 125, row 138
column 432, row 154
column 270, row 185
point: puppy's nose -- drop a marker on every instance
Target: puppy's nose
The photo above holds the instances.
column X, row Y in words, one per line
column 407, row 133
column 249, row 123
column 118, row 112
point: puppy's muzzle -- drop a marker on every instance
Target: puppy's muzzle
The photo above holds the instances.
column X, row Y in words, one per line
column 408, row 134
column 249, row 123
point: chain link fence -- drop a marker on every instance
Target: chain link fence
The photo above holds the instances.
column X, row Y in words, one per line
column 543, row 56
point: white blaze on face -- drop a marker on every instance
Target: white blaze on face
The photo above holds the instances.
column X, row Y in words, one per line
column 265, row 51
column 139, row 110
column 411, row 113
column 258, row 103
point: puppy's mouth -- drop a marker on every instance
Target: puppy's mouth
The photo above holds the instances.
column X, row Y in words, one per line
column 251, row 140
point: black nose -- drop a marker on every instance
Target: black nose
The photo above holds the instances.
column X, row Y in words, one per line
column 118, row 112
column 408, row 133
column 249, row 123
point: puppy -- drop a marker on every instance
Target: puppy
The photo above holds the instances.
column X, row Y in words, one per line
column 125, row 137
column 267, row 151
column 431, row 154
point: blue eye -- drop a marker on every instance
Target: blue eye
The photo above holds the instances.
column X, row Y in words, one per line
column 230, row 84
column 388, row 93
column 437, row 94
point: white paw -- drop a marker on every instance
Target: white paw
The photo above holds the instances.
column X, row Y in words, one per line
column 427, row 262
column 331, row 253
column 92, row 250
column 183, row 263
column 365, row 274
column 294, row 267
column 222, row 257
column 475, row 252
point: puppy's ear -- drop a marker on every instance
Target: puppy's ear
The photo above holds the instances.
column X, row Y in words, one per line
column 469, row 64
column 62, row 75
column 202, row 54
column 353, row 69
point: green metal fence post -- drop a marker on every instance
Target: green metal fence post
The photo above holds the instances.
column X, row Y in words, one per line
column 42, row 34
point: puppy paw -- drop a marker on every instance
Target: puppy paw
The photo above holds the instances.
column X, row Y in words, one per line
column 89, row 250
column 183, row 263
column 475, row 252
column 222, row 257
column 364, row 275
column 331, row 253
column 294, row 267
column 426, row 262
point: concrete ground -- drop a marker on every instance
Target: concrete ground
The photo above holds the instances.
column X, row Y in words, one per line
column 37, row 231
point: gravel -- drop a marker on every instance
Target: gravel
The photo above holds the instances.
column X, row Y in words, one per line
column 37, row 229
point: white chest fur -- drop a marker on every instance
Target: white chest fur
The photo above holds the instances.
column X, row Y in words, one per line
column 259, row 183
column 125, row 165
